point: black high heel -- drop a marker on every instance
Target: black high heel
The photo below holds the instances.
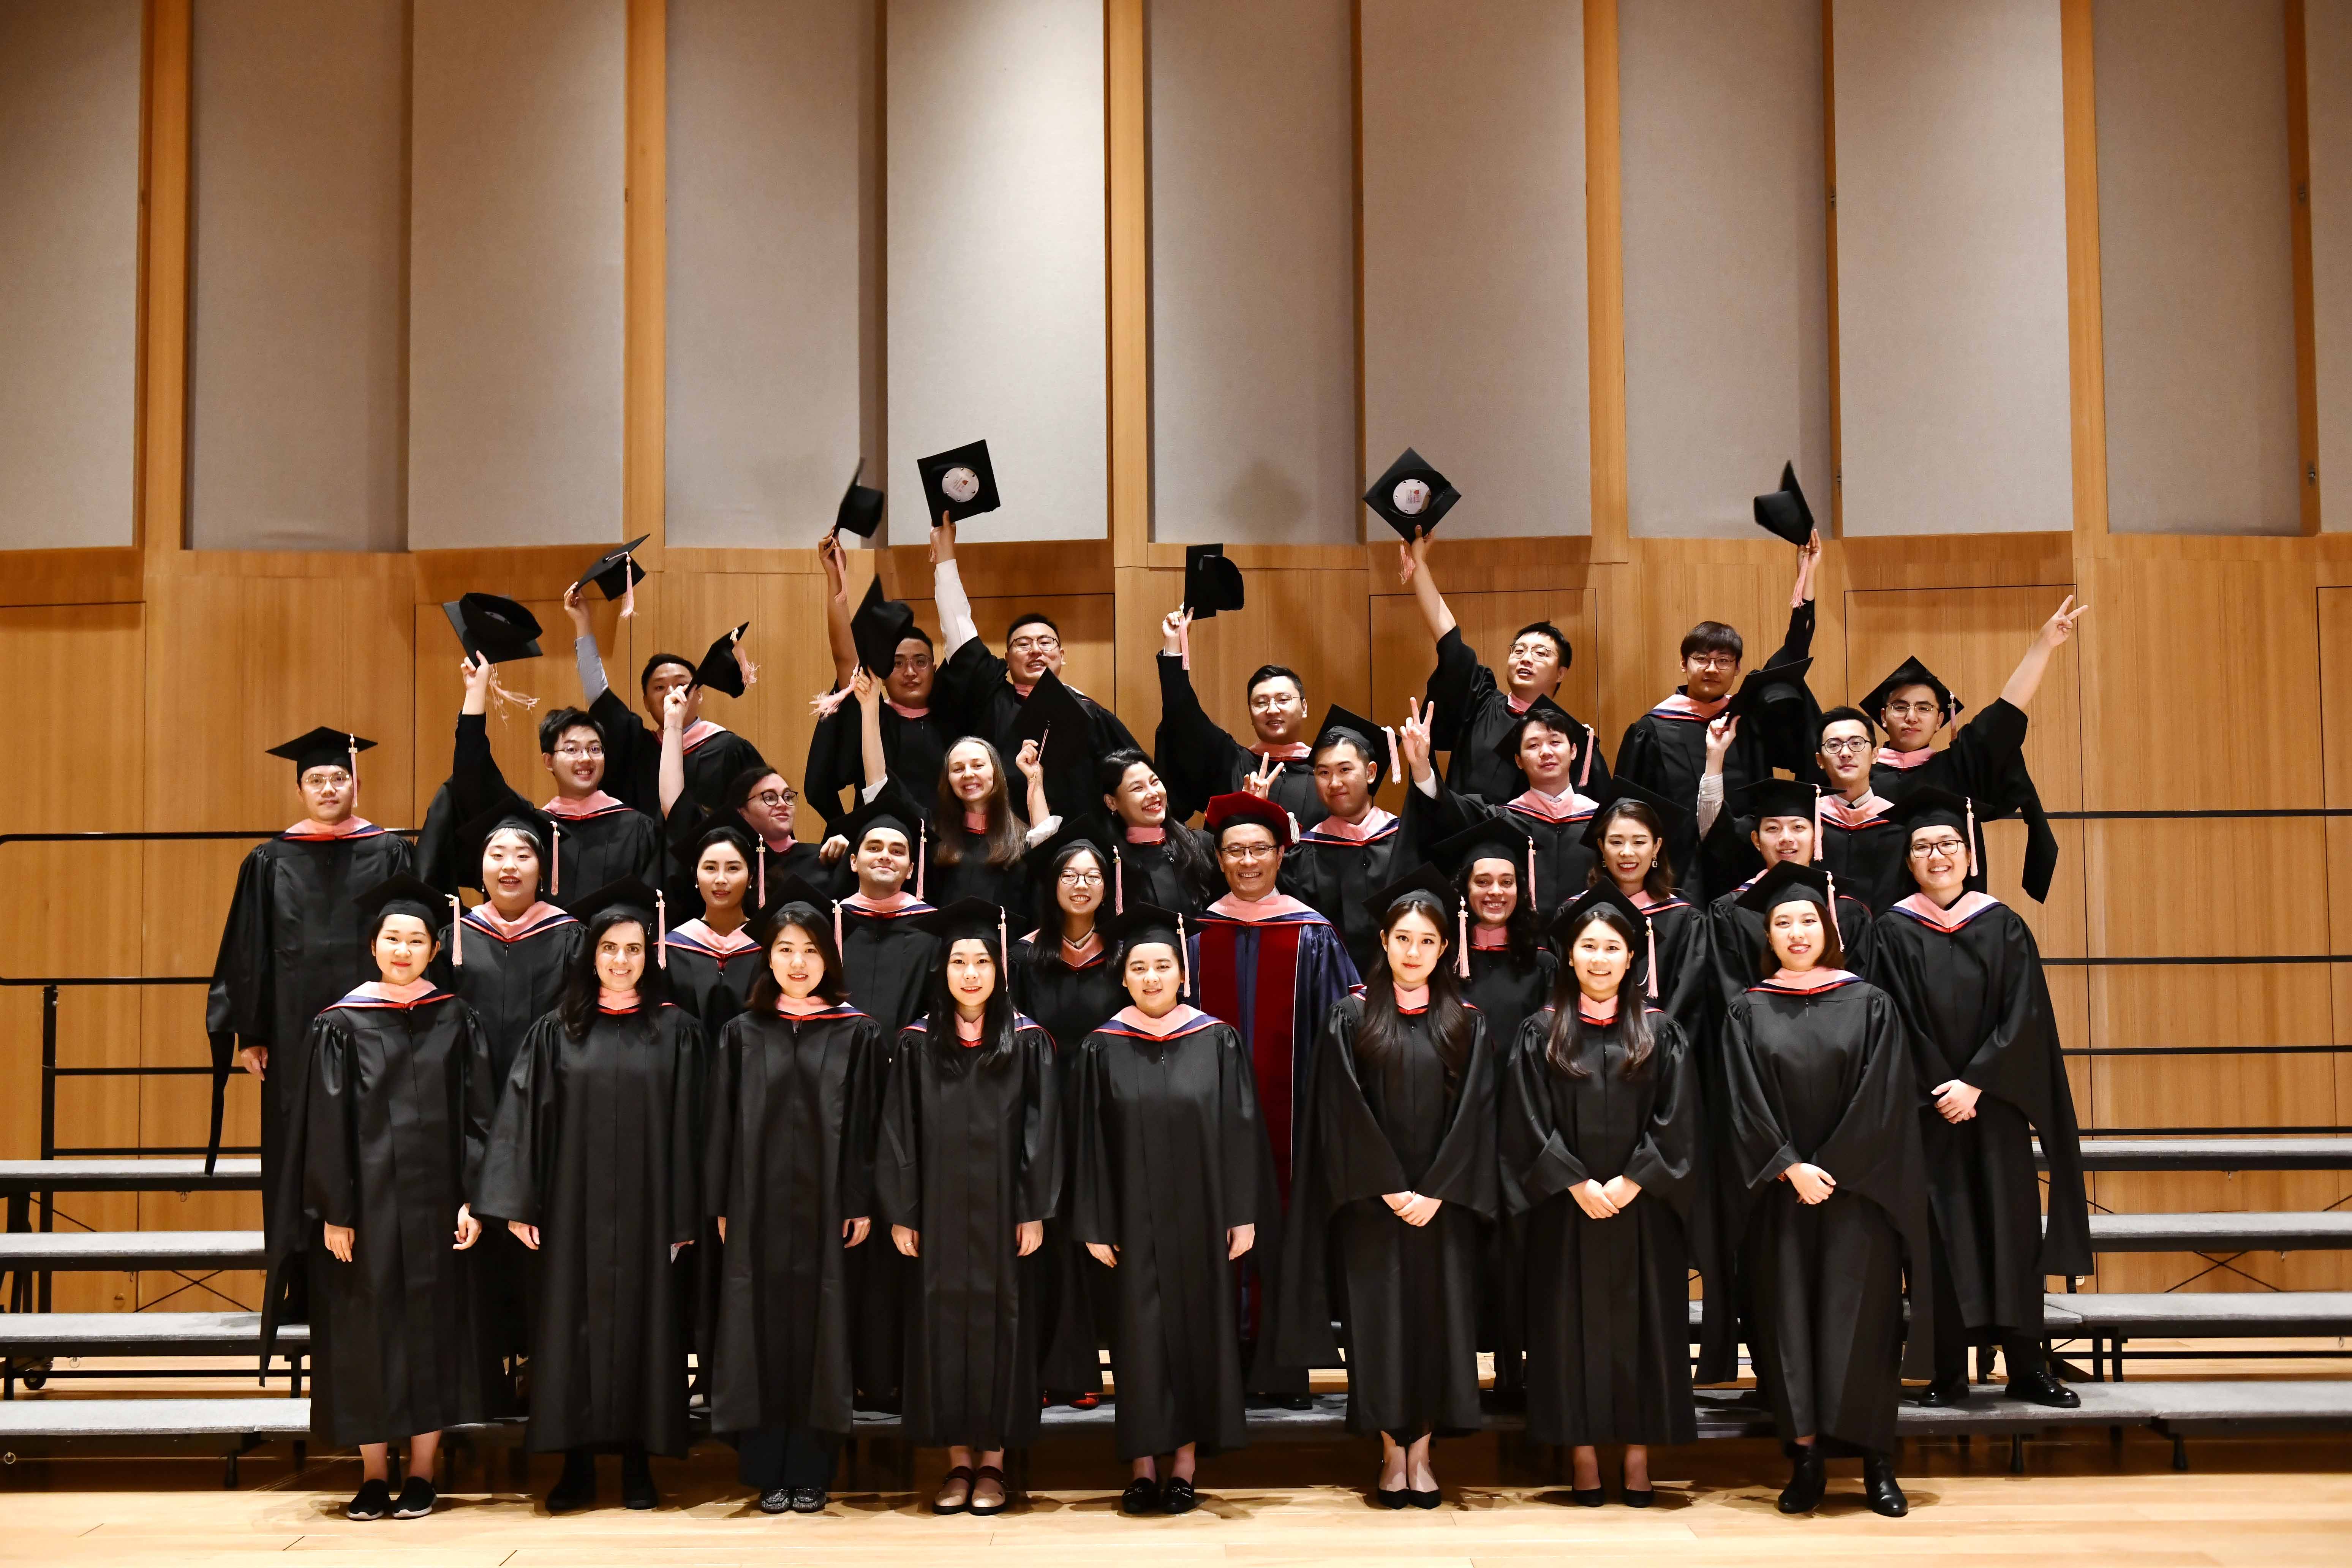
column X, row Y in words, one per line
column 1642, row 1499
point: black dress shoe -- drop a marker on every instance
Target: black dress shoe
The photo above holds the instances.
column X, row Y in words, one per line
column 1429, row 1499
column 637, row 1483
column 776, row 1500
column 416, row 1498
column 1879, row 1486
column 2042, row 1388
column 810, row 1500
column 1945, row 1393
column 372, row 1502
column 577, row 1490
column 1178, row 1496
column 1642, row 1499
column 1388, row 1497
column 1141, row 1496
column 1807, row 1479
column 1583, row 1497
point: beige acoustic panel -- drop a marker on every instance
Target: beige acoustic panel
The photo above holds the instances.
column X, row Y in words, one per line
column 515, row 270
column 298, row 368
column 774, row 323
column 1954, row 392
column 1254, row 271
column 2197, row 274
column 682, row 612
column 1726, row 282
column 69, row 170
column 2328, row 70
column 999, row 305
column 1473, row 257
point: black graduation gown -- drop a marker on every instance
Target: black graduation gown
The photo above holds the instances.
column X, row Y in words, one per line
column 591, row 850
column 1505, row 993
column 1975, row 1007
column 1687, row 986
column 1006, row 886
column 1333, row 876
column 1070, row 1005
column 1407, row 1295
column 972, row 698
column 711, row 986
column 597, row 1142
column 1608, row 1299
column 788, row 1157
column 1868, row 855
column 393, row 1124
column 1564, row 862
column 1824, row 1077
column 1148, row 874
column 969, row 1149
column 1735, row 939
column 292, row 946
column 1171, row 1155
column 1198, row 760
column 914, row 752
column 633, row 758
column 1986, row 762
column 1473, row 712
column 689, row 820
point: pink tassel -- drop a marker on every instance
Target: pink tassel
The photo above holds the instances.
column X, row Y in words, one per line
column 1830, row 877
column 1651, row 926
column 1294, row 823
column 918, row 863
column 761, row 853
column 826, row 704
column 1584, row 774
column 1389, row 730
column 354, row 744
column 1462, row 939
column 1003, row 948
column 661, row 929
column 1970, row 802
column 456, row 931
column 1817, row 822
column 1183, row 966
column 629, row 589
column 1531, row 875
column 1117, row 881
column 836, row 925
column 554, row 860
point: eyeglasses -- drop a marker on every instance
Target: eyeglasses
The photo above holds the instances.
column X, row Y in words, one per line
column 1082, row 878
column 1715, row 661
column 775, row 800
column 1948, row 848
column 1915, row 710
column 1248, row 851
column 1033, row 644
column 1849, row 743
column 569, row 749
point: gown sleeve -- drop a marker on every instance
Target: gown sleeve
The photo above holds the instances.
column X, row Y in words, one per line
column 723, row 1090
column 689, row 1106
column 1760, row 1148
column 1665, row 1160
column 1353, row 1157
column 862, row 1092
column 834, row 760
column 289, row 1210
column 476, row 785
column 1247, row 1157
column 1040, row 1183
column 1457, row 684
column 965, row 684
column 1197, row 758
column 1464, row 1170
column 1536, row 1163
column 329, row 1165
column 478, row 1097
column 898, row 1150
column 238, row 1002
column 522, row 1133
column 1094, row 1176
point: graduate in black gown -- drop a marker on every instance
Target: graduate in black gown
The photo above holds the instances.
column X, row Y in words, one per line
column 1171, row 1180
column 1359, row 847
column 788, row 1174
column 1064, row 978
column 1395, row 1185
column 1599, row 1144
column 881, row 636
column 714, row 753
column 1203, row 762
column 396, row 1118
column 977, row 841
column 1550, row 811
column 292, row 941
column 967, row 1167
column 1825, row 1131
column 1769, row 822
column 505, row 958
column 713, row 959
column 1155, row 858
column 594, row 1163
column 758, row 803
column 1629, row 838
column 1965, row 975
column 1861, row 844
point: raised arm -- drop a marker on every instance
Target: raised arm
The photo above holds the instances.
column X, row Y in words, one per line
column 868, row 692
column 1799, row 643
column 671, row 778
column 956, row 626
column 1413, row 570
column 2026, row 678
column 836, row 608
column 593, row 684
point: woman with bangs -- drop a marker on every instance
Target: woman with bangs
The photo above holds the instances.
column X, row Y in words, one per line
column 1629, row 837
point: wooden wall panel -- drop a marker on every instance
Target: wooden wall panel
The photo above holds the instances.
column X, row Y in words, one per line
column 2336, row 750
column 1315, row 621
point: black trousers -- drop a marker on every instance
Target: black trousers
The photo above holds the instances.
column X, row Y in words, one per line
column 776, row 1457
column 2023, row 1355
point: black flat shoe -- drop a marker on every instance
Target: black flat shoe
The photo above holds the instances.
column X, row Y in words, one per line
column 577, row 1490
column 810, row 1500
column 372, row 1502
column 1178, row 1496
column 1388, row 1497
column 776, row 1500
column 1429, row 1499
column 637, row 1483
column 1141, row 1496
column 1807, row 1479
column 417, row 1499
column 1587, row 1497
column 2043, row 1388
column 1881, row 1490
column 1945, row 1393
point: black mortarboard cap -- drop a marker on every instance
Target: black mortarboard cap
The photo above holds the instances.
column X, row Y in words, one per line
column 1545, row 710
column 882, row 811
column 321, row 748
column 1775, row 797
column 1497, row 838
column 491, row 627
column 959, row 482
column 1602, row 894
column 792, row 890
column 1051, row 716
column 1785, row 883
column 1411, row 496
column 878, row 627
column 1144, row 922
column 966, row 917
column 1910, row 672
column 1770, row 687
column 474, row 839
column 615, row 572
column 404, row 889
column 861, row 507
column 1783, row 511
column 627, row 893
column 719, row 668
column 1928, row 806
column 1374, row 737
column 1085, row 828
column 1424, row 879
column 1211, row 583
column 1670, row 815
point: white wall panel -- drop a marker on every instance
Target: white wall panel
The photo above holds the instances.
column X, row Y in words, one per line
column 515, row 240
column 69, row 271
column 298, row 275
column 1473, row 244
column 2197, row 267
column 998, row 289
column 1951, row 234
column 775, row 266
column 1254, row 271
column 1727, row 292
column 2327, row 61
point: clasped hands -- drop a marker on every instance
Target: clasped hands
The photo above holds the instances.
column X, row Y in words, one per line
column 1605, row 1199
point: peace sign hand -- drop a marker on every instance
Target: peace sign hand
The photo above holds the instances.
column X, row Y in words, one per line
column 1413, row 737
column 2061, row 624
column 1261, row 781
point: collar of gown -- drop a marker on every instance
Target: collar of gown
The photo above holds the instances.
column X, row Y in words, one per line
column 1682, row 705
column 1963, row 910
column 1565, row 807
column 1272, row 907
column 486, row 914
column 1375, row 822
column 1820, row 979
column 1888, row 757
column 306, row 828
column 586, row 805
column 1175, row 1019
column 385, row 991
column 725, row 945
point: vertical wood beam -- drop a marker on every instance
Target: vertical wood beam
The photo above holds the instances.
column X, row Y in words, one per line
column 1604, row 245
column 2306, row 327
column 1125, row 87
column 2085, row 332
column 1830, row 261
column 645, row 253
column 160, row 437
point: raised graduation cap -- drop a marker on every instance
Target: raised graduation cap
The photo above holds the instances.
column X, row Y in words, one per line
column 629, row 893
column 1910, row 672
column 1497, row 838
column 1211, row 583
column 474, row 839
column 615, row 572
column 1411, row 496
column 1783, row 512
column 1620, row 788
column 959, row 482
column 1051, row 717
column 1775, row 797
column 861, row 507
column 878, row 627
column 322, row 748
column 1787, row 882
column 430, row 903
column 1545, row 710
column 721, row 669
column 492, row 627
column 1370, row 735
column 1770, row 687
column 1422, row 879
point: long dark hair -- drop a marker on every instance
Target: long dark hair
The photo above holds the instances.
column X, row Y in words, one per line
column 1049, row 907
column 812, row 924
column 1520, row 936
column 1565, row 1047
column 577, row 1006
column 1001, row 846
column 1660, row 882
column 1451, row 1024
column 995, row 1019
column 1188, row 850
